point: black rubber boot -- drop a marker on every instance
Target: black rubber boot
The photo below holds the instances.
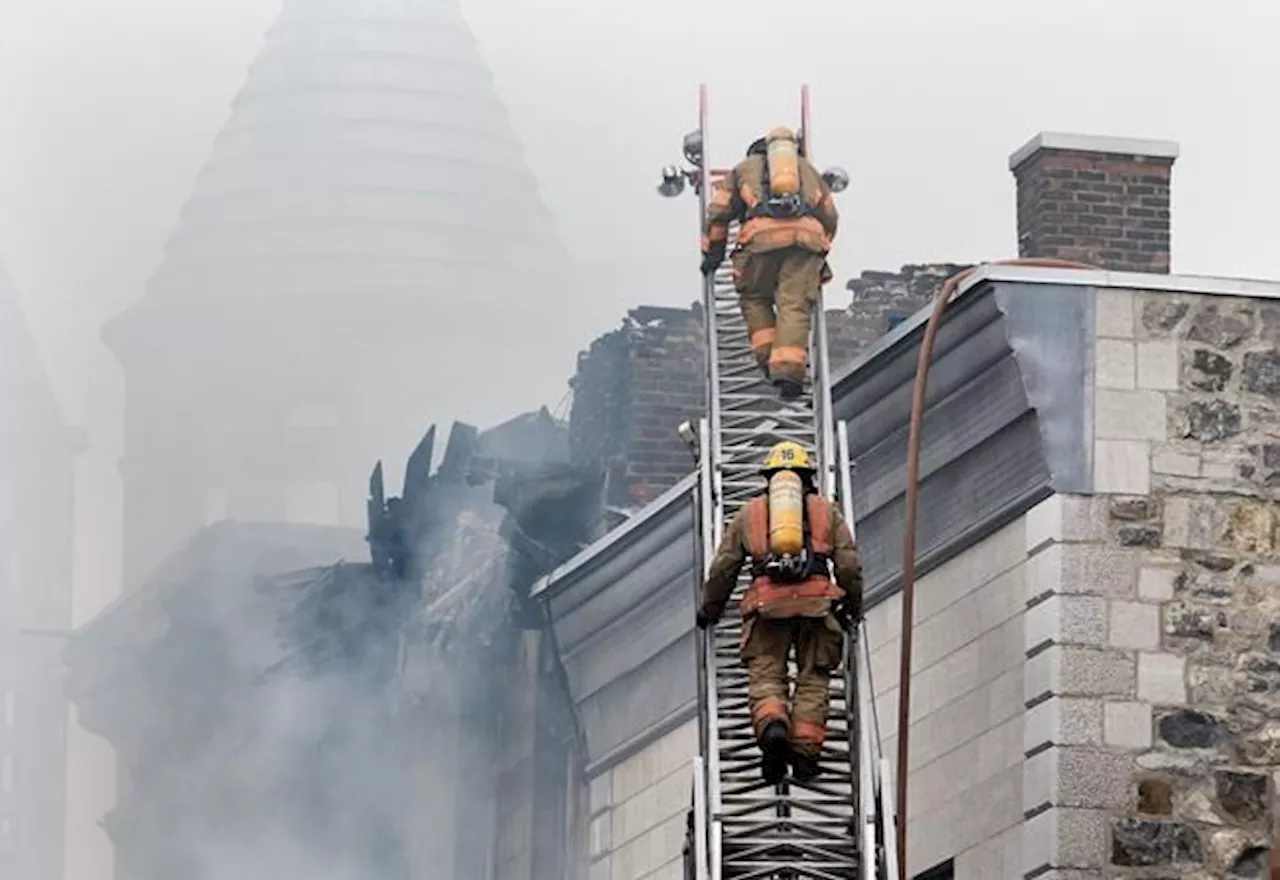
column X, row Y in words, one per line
column 773, row 751
column 788, row 389
column 804, row 767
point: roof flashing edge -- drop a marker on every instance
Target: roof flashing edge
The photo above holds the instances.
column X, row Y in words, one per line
column 1089, row 143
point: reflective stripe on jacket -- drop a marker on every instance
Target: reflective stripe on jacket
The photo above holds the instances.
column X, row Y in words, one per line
column 808, row 598
column 735, row 195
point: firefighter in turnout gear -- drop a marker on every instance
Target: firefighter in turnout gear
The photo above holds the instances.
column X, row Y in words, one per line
column 788, row 220
column 794, row 538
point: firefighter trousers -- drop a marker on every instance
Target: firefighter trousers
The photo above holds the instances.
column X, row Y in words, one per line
column 766, row 647
column 777, row 291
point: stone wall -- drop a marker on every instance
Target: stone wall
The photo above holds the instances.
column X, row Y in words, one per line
column 1153, row 671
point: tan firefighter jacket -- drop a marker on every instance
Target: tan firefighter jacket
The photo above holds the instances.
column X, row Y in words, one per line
column 737, row 195
column 747, row 538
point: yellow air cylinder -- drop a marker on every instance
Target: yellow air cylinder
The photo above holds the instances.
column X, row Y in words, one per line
column 783, row 155
column 786, row 513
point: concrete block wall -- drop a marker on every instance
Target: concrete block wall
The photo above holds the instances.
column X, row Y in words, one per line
column 638, row 811
column 1153, row 672
column 967, row 706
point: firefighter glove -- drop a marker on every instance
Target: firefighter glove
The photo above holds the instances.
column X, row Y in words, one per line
column 712, row 259
column 703, row 619
column 848, row 613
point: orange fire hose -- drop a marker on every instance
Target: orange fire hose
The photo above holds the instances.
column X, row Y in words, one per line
column 940, row 302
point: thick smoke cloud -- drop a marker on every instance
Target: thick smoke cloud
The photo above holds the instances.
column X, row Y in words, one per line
column 331, row 723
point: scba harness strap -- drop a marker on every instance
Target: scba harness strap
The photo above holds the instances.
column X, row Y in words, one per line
column 792, row 569
column 769, row 594
column 791, row 207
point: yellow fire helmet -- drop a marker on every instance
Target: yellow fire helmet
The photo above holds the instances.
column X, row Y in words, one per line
column 788, row 456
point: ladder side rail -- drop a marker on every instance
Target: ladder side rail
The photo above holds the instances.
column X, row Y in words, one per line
column 713, row 513
column 701, row 504
column 833, row 452
column 712, row 355
column 707, row 659
column 859, row 687
column 700, row 864
column 888, row 814
column 824, row 423
column 870, row 784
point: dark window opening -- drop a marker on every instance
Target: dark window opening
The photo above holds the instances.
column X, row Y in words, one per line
column 945, row 871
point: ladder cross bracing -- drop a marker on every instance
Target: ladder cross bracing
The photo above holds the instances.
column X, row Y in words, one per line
column 740, row 827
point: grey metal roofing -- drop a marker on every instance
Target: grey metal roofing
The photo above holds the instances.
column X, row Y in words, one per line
column 1089, row 143
column 1012, row 367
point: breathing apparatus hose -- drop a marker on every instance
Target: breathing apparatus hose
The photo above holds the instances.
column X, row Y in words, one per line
column 940, row 302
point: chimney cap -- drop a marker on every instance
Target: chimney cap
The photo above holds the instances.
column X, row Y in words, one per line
column 1089, row 143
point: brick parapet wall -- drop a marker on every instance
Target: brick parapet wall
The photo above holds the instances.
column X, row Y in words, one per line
column 632, row 389
column 1106, row 210
column 636, row 384
column 1152, row 731
column 876, row 299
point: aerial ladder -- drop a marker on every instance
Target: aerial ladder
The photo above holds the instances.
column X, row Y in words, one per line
column 840, row 824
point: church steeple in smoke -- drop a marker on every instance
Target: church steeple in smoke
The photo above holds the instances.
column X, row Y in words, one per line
column 364, row 252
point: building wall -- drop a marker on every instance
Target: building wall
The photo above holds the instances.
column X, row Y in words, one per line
column 966, row 745
column 1158, row 656
column 305, row 319
column 636, row 384
column 638, row 810
column 36, row 499
column 879, row 301
column 632, row 388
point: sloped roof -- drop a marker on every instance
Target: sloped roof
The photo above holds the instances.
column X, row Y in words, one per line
column 367, row 191
column 367, row 151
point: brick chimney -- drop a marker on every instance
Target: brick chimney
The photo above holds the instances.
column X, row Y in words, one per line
column 1098, row 200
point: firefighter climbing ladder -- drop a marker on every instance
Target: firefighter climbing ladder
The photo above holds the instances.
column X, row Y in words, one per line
column 742, row 828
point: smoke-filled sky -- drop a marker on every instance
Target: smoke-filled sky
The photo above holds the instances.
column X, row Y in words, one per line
column 110, row 108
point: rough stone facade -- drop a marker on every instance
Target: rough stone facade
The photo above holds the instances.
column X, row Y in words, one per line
column 1100, row 206
column 1153, row 677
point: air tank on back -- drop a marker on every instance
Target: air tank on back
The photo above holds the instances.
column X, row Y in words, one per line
column 783, row 155
column 786, row 513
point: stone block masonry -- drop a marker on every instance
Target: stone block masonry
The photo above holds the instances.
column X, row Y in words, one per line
column 1183, row 780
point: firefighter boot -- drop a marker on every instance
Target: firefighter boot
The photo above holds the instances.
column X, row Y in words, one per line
column 804, row 767
column 788, row 389
column 773, row 749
